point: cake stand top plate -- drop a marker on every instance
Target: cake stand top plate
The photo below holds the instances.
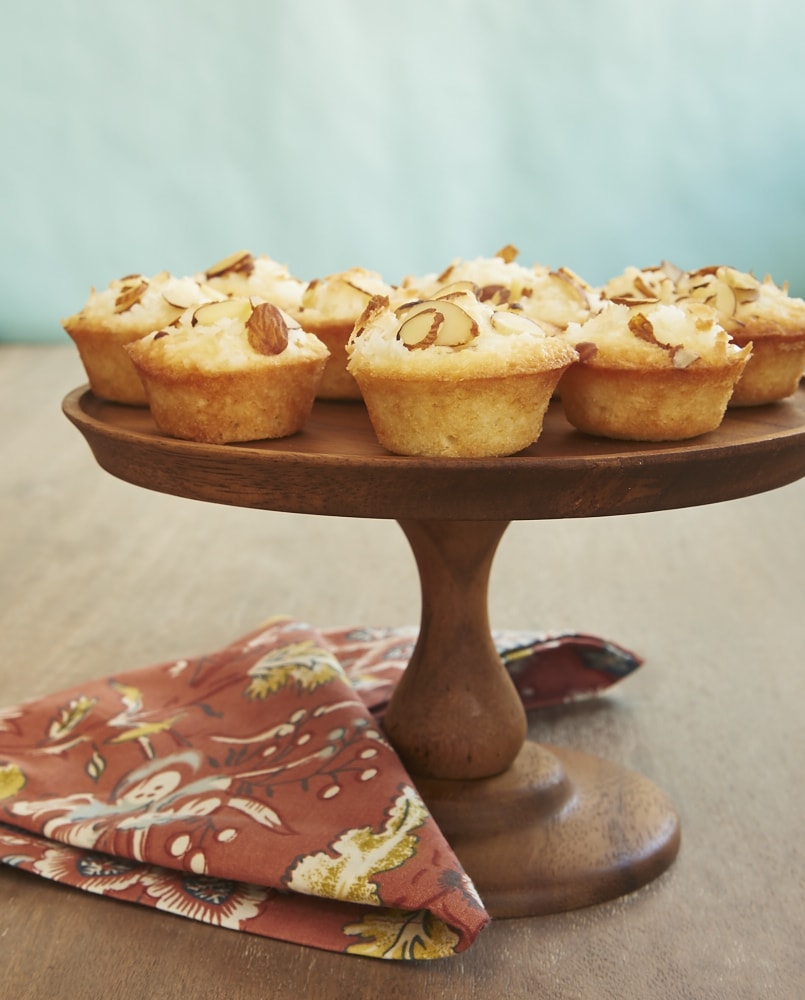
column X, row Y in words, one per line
column 335, row 466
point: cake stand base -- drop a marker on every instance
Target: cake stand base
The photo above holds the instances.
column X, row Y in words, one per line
column 558, row 830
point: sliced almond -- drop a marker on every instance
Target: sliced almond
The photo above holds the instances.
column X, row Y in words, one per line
column 213, row 312
column 358, row 288
column 674, row 273
column 241, row 262
column 570, row 275
column 496, row 294
column 641, row 327
column 464, row 299
column 739, row 280
column 681, row 357
column 421, row 329
column 746, row 295
column 725, row 301
column 508, row 253
column 704, row 271
column 569, row 288
column 131, row 291
column 643, row 287
column 442, row 323
column 401, row 311
column 376, row 305
column 171, row 300
column 181, row 296
column 267, row 330
column 455, row 287
column 632, row 300
column 458, row 329
column 309, row 294
column 745, row 286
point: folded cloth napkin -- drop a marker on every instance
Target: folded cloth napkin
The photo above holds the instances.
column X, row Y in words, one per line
column 253, row 788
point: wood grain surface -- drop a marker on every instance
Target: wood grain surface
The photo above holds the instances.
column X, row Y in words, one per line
column 100, row 575
column 335, row 466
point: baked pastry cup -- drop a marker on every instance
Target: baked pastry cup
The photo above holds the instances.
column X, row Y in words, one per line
column 329, row 308
column 774, row 371
column 760, row 313
column 233, row 370
column 452, row 377
column 754, row 312
column 656, row 372
column 127, row 310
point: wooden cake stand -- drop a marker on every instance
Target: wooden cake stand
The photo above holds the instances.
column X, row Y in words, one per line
column 538, row 828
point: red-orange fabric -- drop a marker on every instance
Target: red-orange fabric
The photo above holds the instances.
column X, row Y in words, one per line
column 253, row 788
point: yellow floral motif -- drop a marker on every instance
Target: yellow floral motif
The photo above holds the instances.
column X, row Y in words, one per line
column 12, row 780
column 361, row 855
column 131, row 697
column 302, row 663
column 144, row 730
column 70, row 716
column 396, row 934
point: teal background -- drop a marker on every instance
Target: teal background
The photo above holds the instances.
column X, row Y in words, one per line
column 166, row 134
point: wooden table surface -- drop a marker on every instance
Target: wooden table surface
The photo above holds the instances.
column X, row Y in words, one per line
column 98, row 575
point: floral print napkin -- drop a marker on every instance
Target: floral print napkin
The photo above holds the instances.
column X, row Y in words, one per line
column 253, row 788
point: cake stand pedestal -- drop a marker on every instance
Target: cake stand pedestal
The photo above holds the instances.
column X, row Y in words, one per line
column 538, row 828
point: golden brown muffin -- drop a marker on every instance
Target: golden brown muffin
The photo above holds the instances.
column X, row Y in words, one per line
column 234, row 370
column 329, row 308
column 128, row 309
column 760, row 313
column 454, row 377
column 242, row 275
column 653, row 372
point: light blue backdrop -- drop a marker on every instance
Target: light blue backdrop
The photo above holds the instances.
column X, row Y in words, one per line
column 327, row 133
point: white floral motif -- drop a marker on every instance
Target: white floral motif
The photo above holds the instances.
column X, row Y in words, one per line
column 211, row 900
column 349, row 868
column 151, row 796
column 93, row 872
column 301, row 664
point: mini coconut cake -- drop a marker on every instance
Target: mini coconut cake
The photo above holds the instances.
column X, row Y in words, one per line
column 128, row 309
column 552, row 298
column 655, row 372
column 454, row 377
column 233, row 370
column 242, row 275
column 757, row 312
column 499, row 280
column 329, row 308
column 560, row 297
column 639, row 286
